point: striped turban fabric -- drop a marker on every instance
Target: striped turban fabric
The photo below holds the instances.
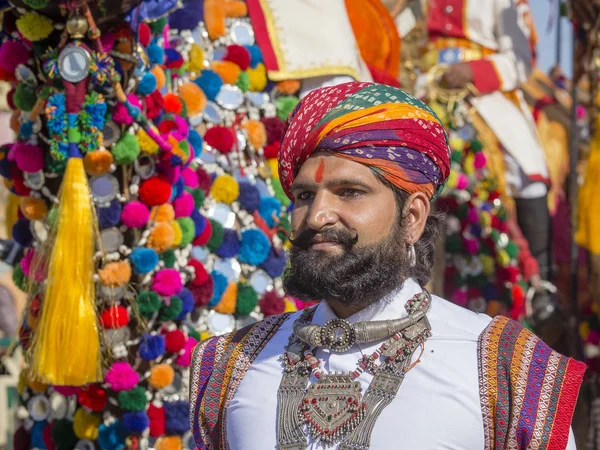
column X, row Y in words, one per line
column 385, row 128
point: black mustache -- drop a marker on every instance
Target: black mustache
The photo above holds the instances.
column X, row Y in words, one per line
column 346, row 238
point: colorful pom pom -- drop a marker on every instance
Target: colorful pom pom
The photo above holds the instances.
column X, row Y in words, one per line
column 167, row 282
column 220, row 138
column 155, row 191
column 121, row 377
column 143, row 260
column 255, row 247
column 135, row 215
column 225, row 189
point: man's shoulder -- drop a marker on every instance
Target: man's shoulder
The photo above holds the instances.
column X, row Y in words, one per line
column 450, row 321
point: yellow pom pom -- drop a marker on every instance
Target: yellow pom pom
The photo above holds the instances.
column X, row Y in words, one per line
column 488, row 264
column 228, row 301
column 257, row 135
column 196, row 56
column 168, row 443
column 147, row 144
column 34, row 26
column 452, row 180
column 503, row 258
column 177, row 234
column 457, row 144
column 274, row 167
column 33, row 208
column 258, row 77
column 469, row 164
column 85, row 425
column 225, row 189
column 204, row 335
column 290, row 306
column 485, row 218
column 584, row 330
column 161, row 376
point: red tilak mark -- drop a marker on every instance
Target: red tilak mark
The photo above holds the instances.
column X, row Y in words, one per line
column 319, row 173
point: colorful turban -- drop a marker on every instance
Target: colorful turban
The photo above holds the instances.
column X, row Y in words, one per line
column 385, row 128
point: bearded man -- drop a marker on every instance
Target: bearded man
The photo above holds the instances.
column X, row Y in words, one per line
column 379, row 363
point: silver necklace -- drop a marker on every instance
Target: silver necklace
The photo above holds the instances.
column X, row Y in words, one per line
column 334, row 409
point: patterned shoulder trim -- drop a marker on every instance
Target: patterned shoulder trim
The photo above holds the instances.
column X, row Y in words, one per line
column 219, row 365
column 528, row 391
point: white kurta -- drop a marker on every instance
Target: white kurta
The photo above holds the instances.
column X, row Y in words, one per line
column 437, row 406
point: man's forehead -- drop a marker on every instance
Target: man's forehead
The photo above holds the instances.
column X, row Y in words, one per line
column 324, row 166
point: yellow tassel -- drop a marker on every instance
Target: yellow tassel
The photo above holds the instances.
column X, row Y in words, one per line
column 588, row 229
column 66, row 345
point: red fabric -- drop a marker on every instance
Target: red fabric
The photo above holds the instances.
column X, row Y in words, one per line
column 446, row 18
column 261, row 34
column 527, row 262
column 485, row 76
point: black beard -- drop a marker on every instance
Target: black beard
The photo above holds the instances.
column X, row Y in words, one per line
column 357, row 277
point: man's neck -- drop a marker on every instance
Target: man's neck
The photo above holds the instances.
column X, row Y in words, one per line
column 344, row 311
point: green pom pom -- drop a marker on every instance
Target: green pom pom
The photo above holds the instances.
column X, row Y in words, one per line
column 63, row 435
column 19, row 278
column 453, row 244
column 247, row 299
column 457, row 156
column 171, row 311
column 285, row 105
column 512, row 250
column 148, row 302
column 199, row 196
column 495, row 235
column 169, row 258
column 484, row 248
column 462, row 211
column 476, row 146
column 126, row 150
column 243, row 81
column 216, row 239
column 24, row 97
column 193, row 333
column 284, row 222
column 36, row 4
column 158, row 25
column 133, row 400
column 502, row 214
column 279, row 193
column 188, row 230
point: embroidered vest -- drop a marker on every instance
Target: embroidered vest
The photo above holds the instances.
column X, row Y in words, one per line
column 528, row 391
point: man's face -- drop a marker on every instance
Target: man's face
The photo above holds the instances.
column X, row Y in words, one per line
column 348, row 242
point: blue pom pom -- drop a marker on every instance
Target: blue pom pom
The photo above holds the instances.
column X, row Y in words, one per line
column 178, row 188
column 195, row 140
column 110, row 215
column 172, row 56
column 177, row 417
column 143, row 259
column 152, row 347
column 255, row 247
column 112, row 437
column 490, row 292
column 136, row 422
column 21, row 232
column 37, row 431
column 269, row 209
column 255, row 55
column 188, row 17
column 187, row 303
column 220, row 283
column 210, row 82
column 147, row 84
column 199, row 222
column 274, row 265
column 249, row 197
column 230, row 245
column 156, row 54
column 476, row 230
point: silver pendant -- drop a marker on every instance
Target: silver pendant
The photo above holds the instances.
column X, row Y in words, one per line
column 333, row 408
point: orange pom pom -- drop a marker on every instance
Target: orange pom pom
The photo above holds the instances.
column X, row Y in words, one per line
column 159, row 74
column 168, row 443
column 161, row 237
column 257, row 134
column 115, row 274
column 33, row 208
column 98, row 162
column 193, row 97
column 236, row 9
column 214, row 17
column 288, row 87
column 173, row 104
column 162, row 213
column 161, row 376
column 228, row 71
column 228, row 301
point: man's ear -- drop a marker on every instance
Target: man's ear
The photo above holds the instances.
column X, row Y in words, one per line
column 416, row 211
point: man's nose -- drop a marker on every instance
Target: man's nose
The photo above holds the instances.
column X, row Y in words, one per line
column 322, row 212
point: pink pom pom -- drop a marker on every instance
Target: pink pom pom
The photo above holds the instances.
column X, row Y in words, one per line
column 29, row 158
column 480, row 160
column 472, row 246
column 190, row 178
column 185, row 359
column 462, row 182
column 135, row 215
column 12, row 54
column 121, row 114
column 472, row 216
column 108, row 41
column 167, row 283
column 121, row 377
column 184, row 205
column 593, row 337
column 67, row 391
column 40, row 274
column 460, row 298
column 581, row 112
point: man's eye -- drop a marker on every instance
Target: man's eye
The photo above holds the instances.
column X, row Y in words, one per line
column 305, row 196
column 350, row 193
